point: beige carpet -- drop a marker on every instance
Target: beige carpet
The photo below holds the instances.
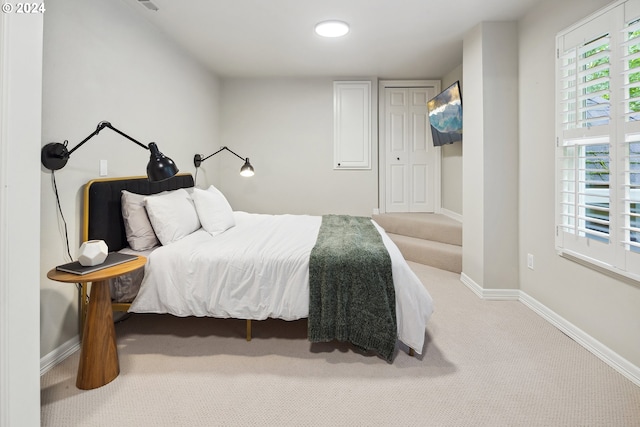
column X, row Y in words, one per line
column 486, row 363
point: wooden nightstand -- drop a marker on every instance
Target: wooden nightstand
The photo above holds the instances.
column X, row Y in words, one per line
column 98, row 355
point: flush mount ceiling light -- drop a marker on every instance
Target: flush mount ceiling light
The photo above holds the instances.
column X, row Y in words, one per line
column 332, row 28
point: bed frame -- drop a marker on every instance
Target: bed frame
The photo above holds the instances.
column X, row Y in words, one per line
column 102, row 219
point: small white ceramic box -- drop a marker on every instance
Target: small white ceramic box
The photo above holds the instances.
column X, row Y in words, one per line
column 93, row 252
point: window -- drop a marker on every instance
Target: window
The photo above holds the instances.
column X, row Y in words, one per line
column 598, row 139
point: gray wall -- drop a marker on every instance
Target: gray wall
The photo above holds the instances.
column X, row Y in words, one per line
column 605, row 308
column 490, row 175
column 103, row 62
column 285, row 127
column 451, row 166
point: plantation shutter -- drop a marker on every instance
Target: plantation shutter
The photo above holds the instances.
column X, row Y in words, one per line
column 629, row 145
column 586, row 117
column 598, row 140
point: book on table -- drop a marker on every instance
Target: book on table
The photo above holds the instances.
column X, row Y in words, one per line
column 113, row 258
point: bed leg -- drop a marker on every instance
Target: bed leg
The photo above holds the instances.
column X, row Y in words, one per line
column 248, row 329
column 412, row 352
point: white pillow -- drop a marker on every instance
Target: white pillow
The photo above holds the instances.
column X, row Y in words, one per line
column 172, row 215
column 137, row 227
column 214, row 211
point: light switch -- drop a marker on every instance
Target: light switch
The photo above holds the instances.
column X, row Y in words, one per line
column 103, row 168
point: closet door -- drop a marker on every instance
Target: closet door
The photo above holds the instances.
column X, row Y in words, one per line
column 410, row 155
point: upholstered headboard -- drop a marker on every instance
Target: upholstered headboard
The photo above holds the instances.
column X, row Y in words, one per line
column 102, row 209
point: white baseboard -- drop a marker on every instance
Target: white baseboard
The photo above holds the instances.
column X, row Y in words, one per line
column 595, row 347
column 601, row 351
column 469, row 283
column 490, row 294
column 451, row 214
column 59, row 354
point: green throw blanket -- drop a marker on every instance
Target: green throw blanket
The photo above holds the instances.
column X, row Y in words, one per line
column 351, row 286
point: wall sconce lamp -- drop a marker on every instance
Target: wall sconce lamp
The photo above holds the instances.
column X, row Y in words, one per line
column 245, row 170
column 55, row 155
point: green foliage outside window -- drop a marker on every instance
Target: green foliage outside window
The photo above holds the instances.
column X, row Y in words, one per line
column 634, row 92
column 597, row 74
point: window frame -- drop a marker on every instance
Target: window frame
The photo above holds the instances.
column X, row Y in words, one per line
column 598, row 234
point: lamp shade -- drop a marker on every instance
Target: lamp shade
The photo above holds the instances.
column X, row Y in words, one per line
column 246, row 169
column 160, row 167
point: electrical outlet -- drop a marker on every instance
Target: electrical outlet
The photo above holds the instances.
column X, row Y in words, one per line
column 530, row 261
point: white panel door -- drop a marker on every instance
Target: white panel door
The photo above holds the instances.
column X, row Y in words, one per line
column 410, row 155
column 397, row 170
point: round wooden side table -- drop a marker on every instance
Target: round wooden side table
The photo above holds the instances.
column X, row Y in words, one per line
column 99, row 363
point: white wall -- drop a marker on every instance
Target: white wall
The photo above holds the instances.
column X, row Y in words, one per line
column 500, row 76
column 103, row 62
column 285, row 127
column 490, row 177
column 20, row 109
column 451, row 166
column 473, row 170
column 605, row 308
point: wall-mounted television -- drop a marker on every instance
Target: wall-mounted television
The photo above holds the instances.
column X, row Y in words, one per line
column 445, row 116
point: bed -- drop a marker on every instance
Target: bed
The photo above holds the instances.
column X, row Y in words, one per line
column 256, row 266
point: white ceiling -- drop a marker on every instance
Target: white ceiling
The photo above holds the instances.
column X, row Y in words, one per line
column 392, row 39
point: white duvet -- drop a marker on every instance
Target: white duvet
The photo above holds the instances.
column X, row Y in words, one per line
column 260, row 269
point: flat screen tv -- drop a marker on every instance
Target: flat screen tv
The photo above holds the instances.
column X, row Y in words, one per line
column 445, row 116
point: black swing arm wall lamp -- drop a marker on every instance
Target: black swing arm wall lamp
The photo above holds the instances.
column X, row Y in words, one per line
column 245, row 170
column 55, row 155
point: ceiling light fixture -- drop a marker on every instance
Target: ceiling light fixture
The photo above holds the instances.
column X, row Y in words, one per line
column 332, row 28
